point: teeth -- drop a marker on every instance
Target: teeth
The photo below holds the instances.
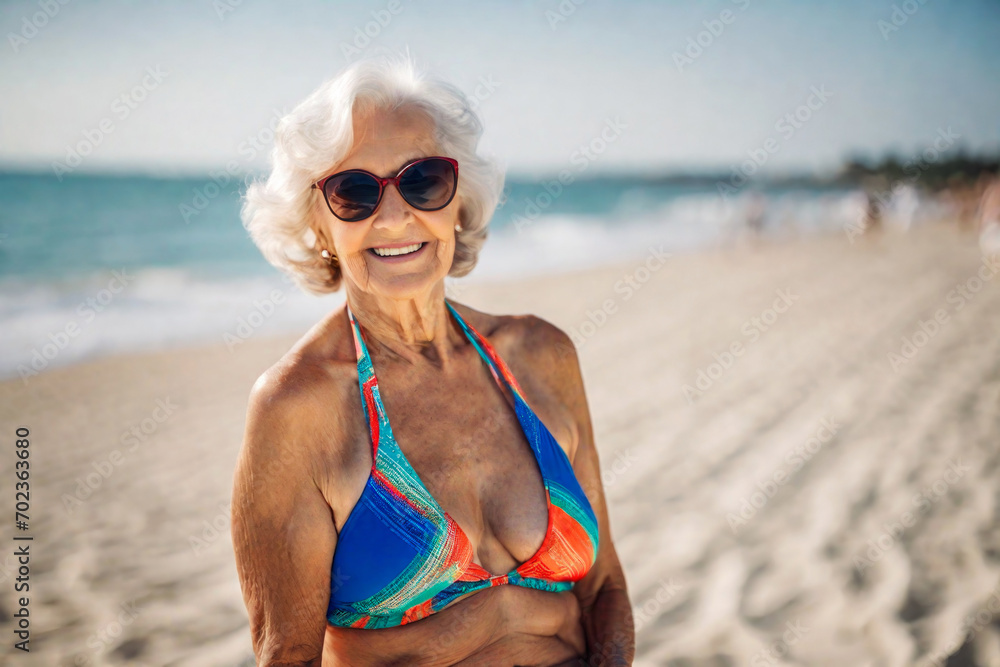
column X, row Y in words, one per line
column 405, row 250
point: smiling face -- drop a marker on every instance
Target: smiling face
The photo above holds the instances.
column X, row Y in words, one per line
column 398, row 252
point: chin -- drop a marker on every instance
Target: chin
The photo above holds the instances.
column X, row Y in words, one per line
column 404, row 286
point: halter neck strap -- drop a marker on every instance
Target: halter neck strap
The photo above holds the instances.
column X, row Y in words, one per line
column 498, row 368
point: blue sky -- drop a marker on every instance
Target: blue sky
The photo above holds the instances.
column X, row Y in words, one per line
column 555, row 83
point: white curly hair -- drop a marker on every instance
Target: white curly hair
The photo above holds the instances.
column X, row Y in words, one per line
column 318, row 134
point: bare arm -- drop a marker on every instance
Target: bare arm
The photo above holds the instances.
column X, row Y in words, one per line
column 283, row 532
column 603, row 594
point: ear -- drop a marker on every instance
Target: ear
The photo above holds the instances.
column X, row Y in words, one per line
column 458, row 203
column 321, row 240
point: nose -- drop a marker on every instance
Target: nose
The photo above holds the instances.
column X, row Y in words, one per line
column 393, row 209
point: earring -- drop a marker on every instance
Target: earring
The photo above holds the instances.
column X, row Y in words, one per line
column 458, row 228
column 330, row 259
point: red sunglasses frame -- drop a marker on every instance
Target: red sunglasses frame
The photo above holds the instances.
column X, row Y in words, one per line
column 383, row 182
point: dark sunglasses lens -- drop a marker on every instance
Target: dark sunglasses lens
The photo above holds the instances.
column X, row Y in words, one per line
column 429, row 184
column 352, row 196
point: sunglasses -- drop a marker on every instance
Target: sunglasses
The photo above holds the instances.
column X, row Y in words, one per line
column 427, row 184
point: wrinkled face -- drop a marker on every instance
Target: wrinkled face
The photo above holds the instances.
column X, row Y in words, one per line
column 383, row 143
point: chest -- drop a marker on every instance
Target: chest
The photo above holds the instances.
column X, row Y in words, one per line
column 461, row 436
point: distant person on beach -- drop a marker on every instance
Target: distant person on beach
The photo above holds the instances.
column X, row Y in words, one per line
column 988, row 218
column 756, row 209
column 873, row 213
column 418, row 481
column 905, row 203
column 963, row 198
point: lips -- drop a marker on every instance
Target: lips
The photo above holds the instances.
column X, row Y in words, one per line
column 398, row 252
column 395, row 251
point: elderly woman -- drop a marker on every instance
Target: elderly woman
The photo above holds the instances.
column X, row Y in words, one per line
column 418, row 482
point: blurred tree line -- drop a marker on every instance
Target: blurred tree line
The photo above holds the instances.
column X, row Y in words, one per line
column 929, row 170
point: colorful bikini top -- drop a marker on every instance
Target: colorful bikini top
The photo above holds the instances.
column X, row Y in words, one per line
column 400, row 557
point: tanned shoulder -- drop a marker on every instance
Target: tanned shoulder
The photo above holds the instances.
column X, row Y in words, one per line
column 284, row 403
column 549, row 348
column 531, row 342
column 546, row 354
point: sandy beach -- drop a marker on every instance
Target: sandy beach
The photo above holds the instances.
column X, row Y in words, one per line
column 800, row 444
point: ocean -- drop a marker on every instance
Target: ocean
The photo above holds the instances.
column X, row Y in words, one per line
column 92, row 265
